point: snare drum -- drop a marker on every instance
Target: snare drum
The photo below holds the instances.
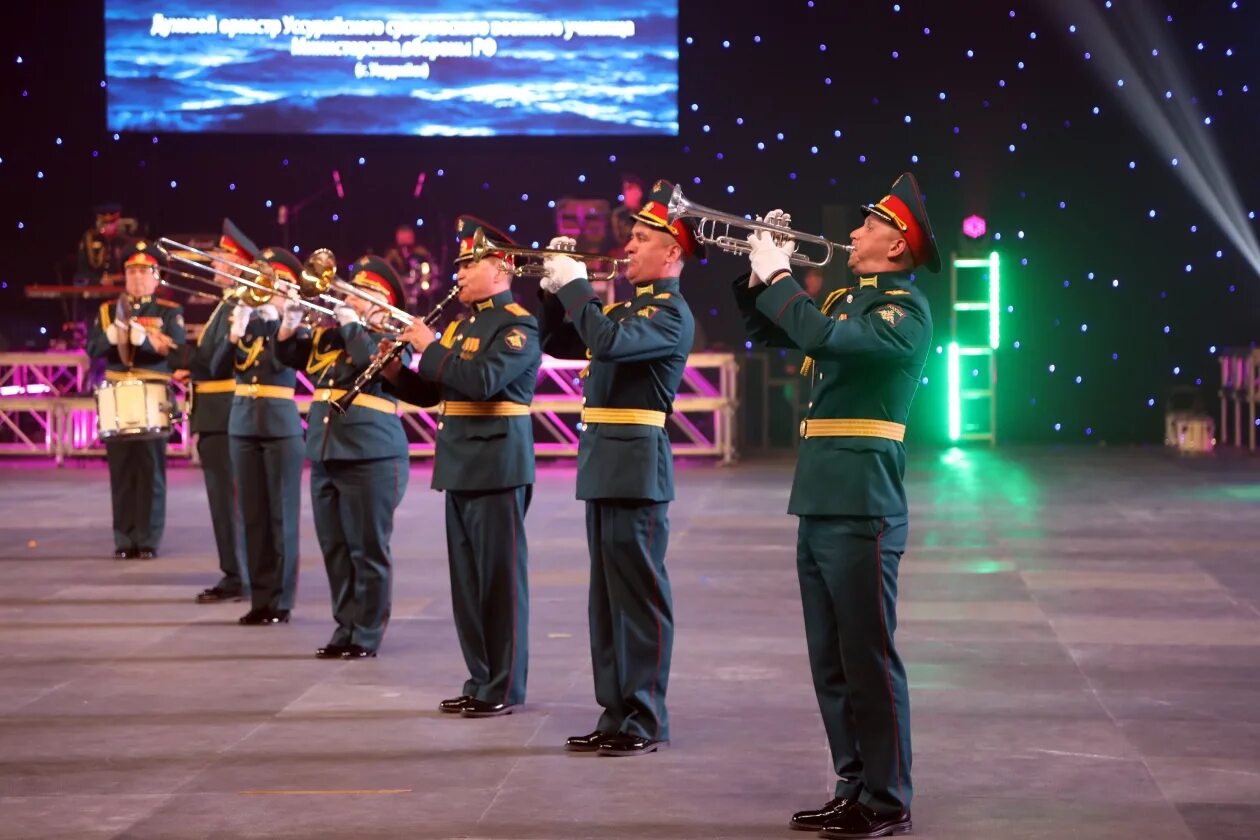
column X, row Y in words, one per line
column 133, row 409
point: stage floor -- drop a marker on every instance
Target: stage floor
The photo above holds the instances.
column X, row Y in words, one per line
column 1081, row 629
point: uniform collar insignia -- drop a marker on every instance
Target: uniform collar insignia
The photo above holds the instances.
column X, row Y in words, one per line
column 645, row 289
column 872, row 281
column 483, row 305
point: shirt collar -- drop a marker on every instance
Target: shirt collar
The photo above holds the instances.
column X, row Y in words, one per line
column 500, row 300
column 656, row 287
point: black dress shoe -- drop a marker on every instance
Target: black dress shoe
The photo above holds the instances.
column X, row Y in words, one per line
column 623, row 745
column 358, row 652
column 331, row 651
column 586, row 743
column 475, row 708
column 125, row 553
column 214, row 595
column 861, row 821
column 454, row 705
column 146, row 553
column 814, row 820
column 265, row 616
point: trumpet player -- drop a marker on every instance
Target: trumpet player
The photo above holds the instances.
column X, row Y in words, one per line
column 265, row 434
column 638, row 351
column 483, row 371
column 359, row 461
column 867, row 345
column 213, row 390
column 136, row 334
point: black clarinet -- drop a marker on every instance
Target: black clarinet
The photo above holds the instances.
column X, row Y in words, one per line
column 369, row 374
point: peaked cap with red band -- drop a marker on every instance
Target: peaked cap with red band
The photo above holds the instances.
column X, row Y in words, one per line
column 287, row 265
column 237, row 243
column 142, row 253
column 374, row 274
column 903, row 209
column 466, row 228
column 655, row 213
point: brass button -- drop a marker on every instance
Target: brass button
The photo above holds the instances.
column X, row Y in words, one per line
column 803, row 423
column 441, row 426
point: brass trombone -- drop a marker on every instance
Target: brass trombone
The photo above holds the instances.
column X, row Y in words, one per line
column 482, row 246
column 708, row 220
column 259, row 288
column 319, row 275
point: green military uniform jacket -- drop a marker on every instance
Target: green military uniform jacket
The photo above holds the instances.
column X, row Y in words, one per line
column 255, row 363
column 157, row 315
column 333, row 358
column 867, row 347
column 491, row 356
column 212, row 403
column 638, row 351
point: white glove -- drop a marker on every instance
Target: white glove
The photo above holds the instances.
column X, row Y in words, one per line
column 561, row 271
column 779, row 219
column 345, row 315
column 268, row 312
column 293, row 314
column 766, row 258
column 137, row 334
column 111, row 332
column 240, row 321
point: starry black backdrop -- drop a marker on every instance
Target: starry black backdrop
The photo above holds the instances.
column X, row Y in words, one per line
column 813, row 107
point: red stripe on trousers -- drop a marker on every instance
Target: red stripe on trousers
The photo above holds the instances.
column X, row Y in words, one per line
column 883, row 624
column 659, row 640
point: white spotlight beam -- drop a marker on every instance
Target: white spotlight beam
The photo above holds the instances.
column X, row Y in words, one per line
column 1172, row 126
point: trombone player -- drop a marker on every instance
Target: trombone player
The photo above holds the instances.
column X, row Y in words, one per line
column 213, row 389
column 483, row 371
column 359, row 462
column 265, row 434
column 867, row 346
column 638, row 351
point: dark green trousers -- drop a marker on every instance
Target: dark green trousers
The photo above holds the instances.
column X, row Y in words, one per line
column 488, row 554
column 847, row 567
column 631, row 614
column 269, row 480
column 353, row 503
column 225, row 514
column 137, row 488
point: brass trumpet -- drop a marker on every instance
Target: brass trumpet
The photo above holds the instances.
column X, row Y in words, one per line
column 708, row 219
column 482, row 246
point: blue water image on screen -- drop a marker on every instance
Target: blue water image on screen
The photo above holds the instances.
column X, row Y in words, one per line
column 467, row 68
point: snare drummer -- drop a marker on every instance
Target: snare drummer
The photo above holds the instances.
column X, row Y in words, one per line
column 135, row 334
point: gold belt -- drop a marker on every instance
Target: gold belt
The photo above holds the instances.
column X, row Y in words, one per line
column 275, row 392
column 215, row 386
column 853, row 428
column 462, row 408
column 625, row 416
column 136, row 373
column 362, row 400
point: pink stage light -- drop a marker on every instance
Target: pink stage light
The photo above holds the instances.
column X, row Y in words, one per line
column 974, row 226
